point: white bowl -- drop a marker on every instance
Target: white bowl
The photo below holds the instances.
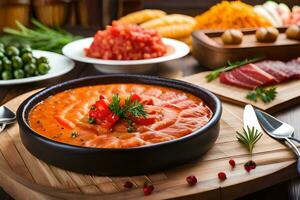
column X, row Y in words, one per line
column 59, row 65
column 75, row 51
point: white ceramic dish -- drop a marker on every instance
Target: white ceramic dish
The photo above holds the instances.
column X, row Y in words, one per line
column 75, row 51
column 59, row 65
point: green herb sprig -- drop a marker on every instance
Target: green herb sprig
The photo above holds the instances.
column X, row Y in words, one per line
column 128, row 110
column 265, row 94
column 40, row 37
column 249, row 137
column 230, row 66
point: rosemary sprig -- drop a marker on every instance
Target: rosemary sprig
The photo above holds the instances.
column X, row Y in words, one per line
column 230, row 66
column 128, row 110
column 133, row 108
column 249, row 137
column 265, row 94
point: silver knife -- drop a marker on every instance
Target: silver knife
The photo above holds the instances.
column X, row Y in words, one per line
column 250, row 119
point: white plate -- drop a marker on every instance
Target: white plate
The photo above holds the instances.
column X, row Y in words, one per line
column 59, row 65
column 75, row 51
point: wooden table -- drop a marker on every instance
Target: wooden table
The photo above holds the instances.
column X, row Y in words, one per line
column 185, row 66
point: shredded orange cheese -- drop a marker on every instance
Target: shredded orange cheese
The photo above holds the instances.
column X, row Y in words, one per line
column 235, row 14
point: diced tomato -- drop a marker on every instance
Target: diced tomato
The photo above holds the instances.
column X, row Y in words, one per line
column 93, row 113
column 135, row 97
column 110, row 120
column 126, row 42
column 102, row 97
column 143, row 121
column 148, row 102
column 102, row 110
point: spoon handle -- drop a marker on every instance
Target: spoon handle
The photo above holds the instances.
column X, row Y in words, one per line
column 298, row 165
column 296, row 151
column 295, row 139
column 2, row 127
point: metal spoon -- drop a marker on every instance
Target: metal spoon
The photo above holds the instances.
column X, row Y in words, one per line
column 6, row 115
column 279, row 130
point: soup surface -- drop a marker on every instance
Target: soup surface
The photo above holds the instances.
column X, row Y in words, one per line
column 170, row 114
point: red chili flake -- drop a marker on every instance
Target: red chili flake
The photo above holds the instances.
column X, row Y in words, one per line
column 191, row 180
column 128, row 184
column 222, row 176
column 148, row 188
column 232, row 163
column 249, row 165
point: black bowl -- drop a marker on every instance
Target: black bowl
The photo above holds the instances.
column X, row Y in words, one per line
column 126, row 161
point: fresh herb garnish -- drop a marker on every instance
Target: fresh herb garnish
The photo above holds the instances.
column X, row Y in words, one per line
column 133, row 108
column 40, row 37
column 265, row 94
column 74, row 134
column 249, row 137
column 128, row 110
column 230, row 66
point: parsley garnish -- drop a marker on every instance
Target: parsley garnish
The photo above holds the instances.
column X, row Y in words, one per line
column 249, row 137
column 230, row 66
column 265, row 94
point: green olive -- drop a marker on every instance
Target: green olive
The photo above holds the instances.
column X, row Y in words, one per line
column 30, row 69
column 42, row 60
column 19, row 73
column 26, row 49
column 6, row 75
column 1, row 66
column 17, row 62
column 26, row 57
column 12, row 51
column 232, row 36
column 2, row 48
column 1, row 55
column 7, row 64
column 293, row 32
column 43, row 68
column 32, row 60
column 36, row 73
column 267, row 35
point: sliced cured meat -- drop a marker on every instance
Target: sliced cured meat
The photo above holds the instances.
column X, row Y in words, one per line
column 247, row 76
column 283, row 67
column 258, row 74
column 273, row 68
column 242, row 76
column 293, row 67
column 262, row 73
column 228, row 78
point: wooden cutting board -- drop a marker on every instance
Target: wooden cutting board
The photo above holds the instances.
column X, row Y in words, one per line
column 288, row 93
column 23, row 175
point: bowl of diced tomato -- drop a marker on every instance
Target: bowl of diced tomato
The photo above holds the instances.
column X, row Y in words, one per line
column 125, row 49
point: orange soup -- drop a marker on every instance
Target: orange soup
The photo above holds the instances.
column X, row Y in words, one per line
column 119, row 115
